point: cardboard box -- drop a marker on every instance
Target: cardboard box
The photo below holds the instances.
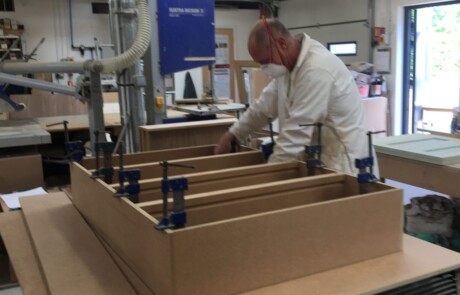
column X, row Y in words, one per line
column 21, row 173
column 245, row 237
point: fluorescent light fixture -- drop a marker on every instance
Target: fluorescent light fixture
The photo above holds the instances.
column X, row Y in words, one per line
column 343, row 48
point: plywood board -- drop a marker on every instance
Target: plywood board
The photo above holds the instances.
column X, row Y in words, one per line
column 45, row 104
column 272, row 247
column 72, row 259
column 422, row 147
column 21, row 173
column 154, row 170
column 21, row 253
column 258, row 190
column 160, row 155
column 374, row 275
column 128, row 230
column 176, row 135
column 438, row 178
column 22, row 133
column 228, row 178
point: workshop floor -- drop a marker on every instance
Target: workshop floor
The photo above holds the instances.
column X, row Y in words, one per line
column 11, row 291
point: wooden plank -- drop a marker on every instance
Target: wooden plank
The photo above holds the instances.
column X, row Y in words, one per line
column 227, row 178
column 260, row 204
column 374, row 275
column 176, row 135
column 23, row 173
column 215, row 162
column 250, row 191
column 136, row 282
column 160, row 155
column 128, row 230
column 443, row 179
column 259, row 250
column 21, row 253
column 421, row 147
column 72, row 259
column 46, row 104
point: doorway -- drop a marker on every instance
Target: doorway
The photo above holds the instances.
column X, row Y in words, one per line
column 431, row 66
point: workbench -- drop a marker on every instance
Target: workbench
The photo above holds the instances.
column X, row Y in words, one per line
column 420, row 173
column 418, row 261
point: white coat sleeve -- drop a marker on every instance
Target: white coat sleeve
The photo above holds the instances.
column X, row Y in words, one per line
column 259, row 113
column 307, row 105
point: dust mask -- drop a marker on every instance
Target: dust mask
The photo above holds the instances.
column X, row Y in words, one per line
column 274, row 70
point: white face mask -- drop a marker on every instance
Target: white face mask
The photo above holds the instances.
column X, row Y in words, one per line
column 274, row 70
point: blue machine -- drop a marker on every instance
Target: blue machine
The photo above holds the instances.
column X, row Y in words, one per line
column 186, row 33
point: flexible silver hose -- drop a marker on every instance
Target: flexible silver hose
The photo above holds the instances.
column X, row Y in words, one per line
column 109, row 65
column 135, row 52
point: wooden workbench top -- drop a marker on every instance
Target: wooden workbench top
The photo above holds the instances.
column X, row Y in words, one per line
column 418, row 261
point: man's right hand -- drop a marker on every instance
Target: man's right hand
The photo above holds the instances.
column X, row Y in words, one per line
column 224, row 145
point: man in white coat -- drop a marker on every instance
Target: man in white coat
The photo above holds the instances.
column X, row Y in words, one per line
column 310, row 85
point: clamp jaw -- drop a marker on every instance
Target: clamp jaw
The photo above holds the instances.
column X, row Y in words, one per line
column 73, row 149
column 133, row 188
column 365, row 167
column 313, row 152
column 107, row 148
column 133, row 176
column 267, row 148
column 178, row 217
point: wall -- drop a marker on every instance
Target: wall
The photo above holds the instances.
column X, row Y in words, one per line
column 50, row 19
column 390, row 14
column 298, row 13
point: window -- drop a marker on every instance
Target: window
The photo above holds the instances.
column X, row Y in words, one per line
column 100, row 8
column 343, row 48
column 6, row 5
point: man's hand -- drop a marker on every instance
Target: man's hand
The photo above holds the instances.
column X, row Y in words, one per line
column 224, row 145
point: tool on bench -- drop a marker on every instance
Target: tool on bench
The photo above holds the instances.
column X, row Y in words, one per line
column 267, row 147
column 73, row 149
column 107, row 148
column 365, row 177
column 178, row 217
column 313, row 152
column 132, row 189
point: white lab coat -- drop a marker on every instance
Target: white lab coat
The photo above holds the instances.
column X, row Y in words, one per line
column 322, row 90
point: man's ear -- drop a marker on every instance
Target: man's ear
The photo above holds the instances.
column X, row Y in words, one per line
column 282, row 42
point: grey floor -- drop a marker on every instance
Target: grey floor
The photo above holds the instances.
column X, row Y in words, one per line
column 409, row 192
column 11, row 291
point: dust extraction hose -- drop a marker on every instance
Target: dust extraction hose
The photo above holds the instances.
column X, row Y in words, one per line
column 109, row 65
column 135, row 52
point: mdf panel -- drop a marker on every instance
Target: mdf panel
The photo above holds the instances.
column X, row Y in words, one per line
column 176, row 135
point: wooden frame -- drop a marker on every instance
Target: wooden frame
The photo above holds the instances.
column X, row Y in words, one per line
column 231, row 51
column 245, row 237
column 239, row 65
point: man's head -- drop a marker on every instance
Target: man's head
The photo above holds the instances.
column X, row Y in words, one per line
column 271, row 43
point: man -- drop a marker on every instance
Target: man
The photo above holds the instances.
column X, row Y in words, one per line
column 310, row 85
